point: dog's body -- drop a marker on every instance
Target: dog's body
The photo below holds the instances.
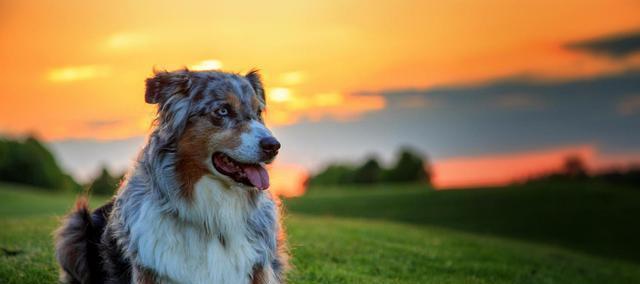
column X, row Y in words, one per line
column 193, row 209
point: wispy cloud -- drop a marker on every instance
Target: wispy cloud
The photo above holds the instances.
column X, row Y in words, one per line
column 292, row 78
column 101, row 123
column 528, row 92
column 126, row 41
column 78, row 73
column 615, row 46
column 287, row 107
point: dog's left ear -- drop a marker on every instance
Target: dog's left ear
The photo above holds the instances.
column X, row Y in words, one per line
column 165, row 84
column 256, row 82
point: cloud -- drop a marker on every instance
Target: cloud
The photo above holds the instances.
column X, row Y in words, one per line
column 126, row 40
column 78, row 73
column 512, row 114
column 615, row 46
column 285, row 106
column 292, row 78
column 530, row 92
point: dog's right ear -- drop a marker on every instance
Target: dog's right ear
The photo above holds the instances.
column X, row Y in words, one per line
column 165, row 84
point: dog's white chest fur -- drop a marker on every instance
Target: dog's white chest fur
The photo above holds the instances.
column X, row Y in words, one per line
column 186, row 252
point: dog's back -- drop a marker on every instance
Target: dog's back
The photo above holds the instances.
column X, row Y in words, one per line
column 78, row 241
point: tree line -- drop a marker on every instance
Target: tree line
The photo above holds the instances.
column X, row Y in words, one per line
column 27, row 161
column 575, row 168
column 409, row 166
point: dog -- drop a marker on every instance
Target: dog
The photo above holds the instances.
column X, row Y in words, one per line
column 194, row 207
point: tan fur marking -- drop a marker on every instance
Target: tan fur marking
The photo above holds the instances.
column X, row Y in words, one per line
column 146, row 277
column 231, row 141
column 257, row 276
column 198, row 97
column 191, row 156
column 234, row 101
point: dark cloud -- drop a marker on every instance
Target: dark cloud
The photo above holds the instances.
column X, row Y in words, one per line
column 615, row 46
column 568, row 93
column 507, row 115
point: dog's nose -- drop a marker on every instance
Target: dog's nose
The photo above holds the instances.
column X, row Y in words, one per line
column 269, row 145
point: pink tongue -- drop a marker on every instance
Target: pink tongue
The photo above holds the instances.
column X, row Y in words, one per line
column 257, row 176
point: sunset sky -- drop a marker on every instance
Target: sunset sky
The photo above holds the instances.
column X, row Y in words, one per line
column 492, row 91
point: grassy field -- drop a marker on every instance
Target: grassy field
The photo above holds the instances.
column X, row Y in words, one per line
column 594, row 218
column 334, row 242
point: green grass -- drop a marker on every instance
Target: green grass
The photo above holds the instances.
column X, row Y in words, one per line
column 335, row 249
column 595, row 218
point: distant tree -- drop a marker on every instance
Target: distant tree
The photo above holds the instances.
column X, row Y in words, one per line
column 409, row 167
column 71, row 185
column 369, row 172
column 104, row 183
column 333, row 174
column 574, row 167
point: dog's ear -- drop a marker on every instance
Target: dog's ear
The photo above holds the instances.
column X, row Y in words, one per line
column 256, row 82
column 165, row 84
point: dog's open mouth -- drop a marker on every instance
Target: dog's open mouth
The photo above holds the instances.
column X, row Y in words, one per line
column 250, row 174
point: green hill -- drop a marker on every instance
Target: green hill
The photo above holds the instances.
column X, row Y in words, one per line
column 596, row 218
column 336, row 249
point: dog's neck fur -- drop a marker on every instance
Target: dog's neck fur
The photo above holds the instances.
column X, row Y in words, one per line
column 219, row 236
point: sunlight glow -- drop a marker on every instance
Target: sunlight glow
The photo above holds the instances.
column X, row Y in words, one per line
column 279, row 95
column 320, row 64
column 490, row 170
column 207, row 65
column 287, row 179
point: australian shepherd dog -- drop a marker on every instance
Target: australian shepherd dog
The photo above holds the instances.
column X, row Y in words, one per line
column 194, row 207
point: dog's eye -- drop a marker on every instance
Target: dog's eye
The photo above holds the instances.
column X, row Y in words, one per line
column 223, row 111
column 259, row 113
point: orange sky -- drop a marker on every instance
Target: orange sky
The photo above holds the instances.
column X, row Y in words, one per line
column 75, row 69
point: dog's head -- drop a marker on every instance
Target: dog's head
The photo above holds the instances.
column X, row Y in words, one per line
column 213, row 121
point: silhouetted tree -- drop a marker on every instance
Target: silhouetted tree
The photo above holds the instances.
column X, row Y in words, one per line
column 574, row 167
column 369, row 172
column 105, row 183
column 333, row 174
column 409, row 167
